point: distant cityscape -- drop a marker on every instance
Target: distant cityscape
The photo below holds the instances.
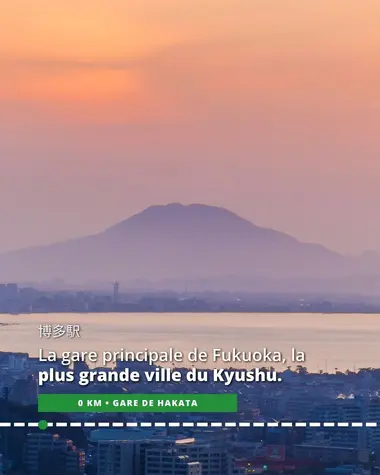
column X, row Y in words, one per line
column 177, row 449
column 190, row 446
column 16, row 299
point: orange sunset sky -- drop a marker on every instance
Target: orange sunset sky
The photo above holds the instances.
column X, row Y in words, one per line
column 270, row 108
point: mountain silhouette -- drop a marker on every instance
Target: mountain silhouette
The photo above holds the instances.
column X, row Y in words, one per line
column 175, row 241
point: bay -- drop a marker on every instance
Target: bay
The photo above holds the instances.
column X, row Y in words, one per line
column 343, row 341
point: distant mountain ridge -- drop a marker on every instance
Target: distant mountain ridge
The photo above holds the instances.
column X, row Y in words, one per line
column 176, row 217
column 175, row 241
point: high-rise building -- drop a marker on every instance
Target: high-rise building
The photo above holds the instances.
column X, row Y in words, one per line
column 24, row 391
column 168, row 462
column 14, row 361
column 350, row 410
column 116, row 288
column 169, row 455
column 211, row 457
column 120, row 457
column 43, row 450
column 3, row 290
column 12, row 290
column 116, row 457
column 67, row 461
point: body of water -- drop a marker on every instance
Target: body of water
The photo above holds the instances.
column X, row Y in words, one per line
column 329, row 341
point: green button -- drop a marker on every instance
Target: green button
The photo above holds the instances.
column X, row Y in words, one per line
column 137, row 403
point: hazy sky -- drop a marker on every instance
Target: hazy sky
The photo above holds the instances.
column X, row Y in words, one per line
column 270, row 108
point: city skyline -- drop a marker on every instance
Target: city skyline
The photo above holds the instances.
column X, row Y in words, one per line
column 270, row 109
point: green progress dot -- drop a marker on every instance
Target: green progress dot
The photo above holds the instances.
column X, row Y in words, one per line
column 43, row 425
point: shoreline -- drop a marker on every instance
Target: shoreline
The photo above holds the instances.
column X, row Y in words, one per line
column 189, row 312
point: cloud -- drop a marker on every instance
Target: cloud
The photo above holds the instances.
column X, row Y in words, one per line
column 54, row 65
column 48, row 64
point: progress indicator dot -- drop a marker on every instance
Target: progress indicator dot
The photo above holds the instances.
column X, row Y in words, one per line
column 43, row 425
